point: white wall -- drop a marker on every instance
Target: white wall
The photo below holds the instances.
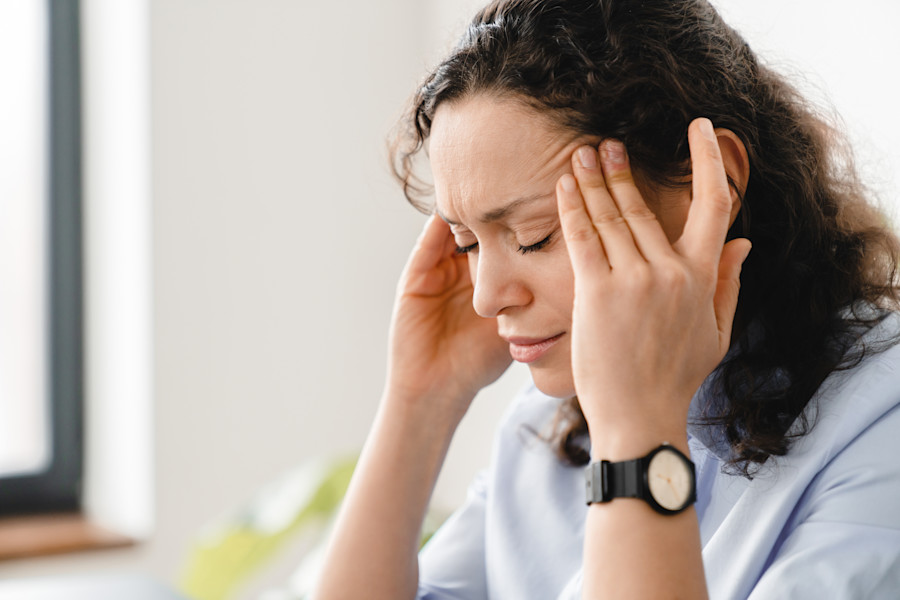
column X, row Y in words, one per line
column 119, row 483
column 844, row 56
column 278, row 234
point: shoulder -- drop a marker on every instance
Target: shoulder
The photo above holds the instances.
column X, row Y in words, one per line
column 856, row 431
column 843, row 480
column 831, row 500
column 856, row 397
column 855, row 426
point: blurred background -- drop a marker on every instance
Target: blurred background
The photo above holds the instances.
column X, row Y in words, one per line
column 242, row 238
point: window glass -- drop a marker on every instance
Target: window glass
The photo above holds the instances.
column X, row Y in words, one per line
column 24, row 413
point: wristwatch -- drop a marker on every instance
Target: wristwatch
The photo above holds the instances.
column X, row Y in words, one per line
column 665, row 479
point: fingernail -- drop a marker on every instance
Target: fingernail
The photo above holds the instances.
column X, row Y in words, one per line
column 706, row 128
column 567, row 182
column 614, row 153
column 587, row 157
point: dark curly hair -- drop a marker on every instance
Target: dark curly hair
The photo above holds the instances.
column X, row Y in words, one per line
column 823, row 266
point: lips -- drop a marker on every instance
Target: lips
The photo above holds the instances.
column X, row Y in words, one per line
column 526, row 350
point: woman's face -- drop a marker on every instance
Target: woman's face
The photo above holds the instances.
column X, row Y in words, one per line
column 495, row 164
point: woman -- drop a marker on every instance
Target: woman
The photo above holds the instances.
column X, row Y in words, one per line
column 601, row 169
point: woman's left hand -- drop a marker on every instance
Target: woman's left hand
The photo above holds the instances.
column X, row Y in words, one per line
column 651, row 318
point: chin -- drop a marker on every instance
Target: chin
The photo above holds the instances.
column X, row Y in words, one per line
column 557, row 383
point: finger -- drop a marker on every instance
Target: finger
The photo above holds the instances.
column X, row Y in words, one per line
column 710, row 214
column 618, row 241
column 428, row 270
column 648, row 234
column 728, row 287
column 433, row 244
column 585, row 248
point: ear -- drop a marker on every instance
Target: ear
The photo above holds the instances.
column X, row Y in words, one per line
column 737, row 166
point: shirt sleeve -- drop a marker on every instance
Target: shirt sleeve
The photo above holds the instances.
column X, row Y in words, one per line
column 846, row 542
column 452, row 563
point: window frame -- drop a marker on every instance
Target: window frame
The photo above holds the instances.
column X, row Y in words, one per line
column 60, row 487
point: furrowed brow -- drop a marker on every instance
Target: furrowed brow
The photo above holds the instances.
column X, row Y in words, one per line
column 498, row 214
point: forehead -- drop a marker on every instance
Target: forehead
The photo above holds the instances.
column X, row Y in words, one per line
column 487, row 151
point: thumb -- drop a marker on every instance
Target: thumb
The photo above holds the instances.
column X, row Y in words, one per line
column 729, row 284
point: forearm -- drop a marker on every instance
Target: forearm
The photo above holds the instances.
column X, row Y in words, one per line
column 630, row 550
column 373, row 551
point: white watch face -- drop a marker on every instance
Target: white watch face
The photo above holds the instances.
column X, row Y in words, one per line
column 669, row 479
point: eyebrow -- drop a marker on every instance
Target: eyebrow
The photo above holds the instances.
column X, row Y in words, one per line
column 497, row 214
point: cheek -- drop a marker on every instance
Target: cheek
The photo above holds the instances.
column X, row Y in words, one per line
column 556, row 283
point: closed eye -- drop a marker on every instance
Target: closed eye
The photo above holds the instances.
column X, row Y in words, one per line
column 523, row 249
column 466, row 249
column 535, row 247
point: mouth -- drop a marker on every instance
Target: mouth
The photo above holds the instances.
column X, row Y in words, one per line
column 527, row 350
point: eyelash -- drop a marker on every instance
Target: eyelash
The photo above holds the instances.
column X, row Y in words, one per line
column 523, row 249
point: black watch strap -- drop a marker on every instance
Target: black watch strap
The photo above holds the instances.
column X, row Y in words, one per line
column 608, row 480
column 614, row 480
column 605, row 480
column 624, row 479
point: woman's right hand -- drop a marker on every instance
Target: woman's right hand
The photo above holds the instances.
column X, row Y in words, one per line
column 440, row 351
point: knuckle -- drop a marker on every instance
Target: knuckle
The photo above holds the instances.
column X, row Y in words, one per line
column 591, row 291
column 607, row 217
column 592, row 185
column 672, row 277
column 638, row 213
column 591, row 180
column 618, row 178
column 580, row 234
column 639, row 279
column 710, row 151
column 585, row 268
column 722, row 202
column 707, row 279
column 568, row 213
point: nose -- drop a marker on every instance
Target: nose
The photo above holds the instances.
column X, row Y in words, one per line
column 499, row 284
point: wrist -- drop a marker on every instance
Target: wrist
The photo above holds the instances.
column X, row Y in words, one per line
column 436, row 414
column 630, row 447
column 627, row 439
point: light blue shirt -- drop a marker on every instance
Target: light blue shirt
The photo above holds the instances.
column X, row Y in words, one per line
column 821, row 522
